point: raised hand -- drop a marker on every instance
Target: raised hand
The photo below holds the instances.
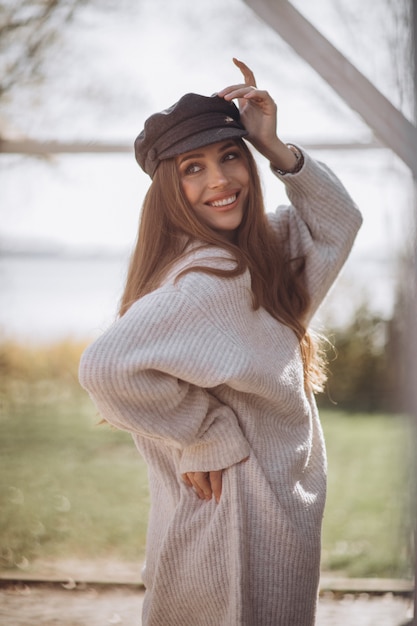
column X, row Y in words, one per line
column 259, row 116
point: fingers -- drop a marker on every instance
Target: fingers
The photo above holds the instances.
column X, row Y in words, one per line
column 235, row 91
column 186, row 480
column 257, row 96
column 216, row 484
column 225, row 93
column 205, row 484
column 249, row 82
column 200, row 481
column 248, row 75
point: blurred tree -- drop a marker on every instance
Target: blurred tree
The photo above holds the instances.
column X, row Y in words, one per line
column 390, row 22
column 27, row 29
column 364, row 372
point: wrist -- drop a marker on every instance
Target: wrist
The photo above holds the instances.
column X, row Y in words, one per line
column 297, row 159
column 281, row 156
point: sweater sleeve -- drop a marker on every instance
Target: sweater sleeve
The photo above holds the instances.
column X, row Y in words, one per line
column 151, row 374
column 320, row 224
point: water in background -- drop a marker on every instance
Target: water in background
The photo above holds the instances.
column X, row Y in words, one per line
column 48, row 297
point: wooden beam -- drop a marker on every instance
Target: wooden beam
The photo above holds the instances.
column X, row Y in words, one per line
column 44, row 148
column 388, row 124
column 36, row 147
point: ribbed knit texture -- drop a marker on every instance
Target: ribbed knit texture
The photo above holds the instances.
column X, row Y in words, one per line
column 202, row 381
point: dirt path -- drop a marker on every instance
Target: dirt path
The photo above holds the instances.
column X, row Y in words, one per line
column 70, row 603
column 42, row 605
column 25, row 605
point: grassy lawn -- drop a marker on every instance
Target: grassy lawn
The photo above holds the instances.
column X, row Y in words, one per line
column 367, row 521
column 72, row 488
column 68, row 487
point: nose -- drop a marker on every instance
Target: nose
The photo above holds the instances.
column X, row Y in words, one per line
column 217, row 176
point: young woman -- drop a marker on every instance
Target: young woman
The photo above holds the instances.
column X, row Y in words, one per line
column 211, row 367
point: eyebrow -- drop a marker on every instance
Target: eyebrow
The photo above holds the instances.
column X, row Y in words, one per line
column 199, row 155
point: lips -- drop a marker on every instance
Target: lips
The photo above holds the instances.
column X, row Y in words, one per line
column 224, row 202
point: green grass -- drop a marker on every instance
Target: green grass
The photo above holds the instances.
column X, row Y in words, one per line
column 367, row 523
column 72, row 488
column 69, row 487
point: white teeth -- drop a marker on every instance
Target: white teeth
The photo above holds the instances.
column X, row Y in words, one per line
column 223, row 202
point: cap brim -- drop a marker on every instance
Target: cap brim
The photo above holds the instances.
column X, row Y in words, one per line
column 204, row 138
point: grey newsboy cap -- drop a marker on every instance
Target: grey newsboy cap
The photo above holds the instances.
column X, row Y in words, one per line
column 192, row 122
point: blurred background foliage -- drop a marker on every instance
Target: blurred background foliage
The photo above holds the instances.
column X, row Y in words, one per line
column 366, row 368
column 365, row 365
column 72, row 488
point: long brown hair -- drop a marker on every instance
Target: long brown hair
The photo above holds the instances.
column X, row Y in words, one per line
column 169, row 224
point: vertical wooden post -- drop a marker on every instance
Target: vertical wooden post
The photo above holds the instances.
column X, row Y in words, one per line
column 413, row 316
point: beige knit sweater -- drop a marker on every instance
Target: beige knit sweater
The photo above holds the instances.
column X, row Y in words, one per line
column 202, row 381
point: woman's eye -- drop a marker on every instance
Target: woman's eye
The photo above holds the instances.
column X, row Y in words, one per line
column 193, row 168
column 230, row 156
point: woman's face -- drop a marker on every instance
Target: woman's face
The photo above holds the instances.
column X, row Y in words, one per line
column 215, row 180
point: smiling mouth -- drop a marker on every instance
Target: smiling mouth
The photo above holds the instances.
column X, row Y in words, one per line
column 224, row 202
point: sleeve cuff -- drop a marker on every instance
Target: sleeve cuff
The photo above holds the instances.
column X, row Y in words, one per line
column 221, row 446
column 298, row 165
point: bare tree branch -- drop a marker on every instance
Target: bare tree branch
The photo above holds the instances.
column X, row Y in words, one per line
column 27, row 29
